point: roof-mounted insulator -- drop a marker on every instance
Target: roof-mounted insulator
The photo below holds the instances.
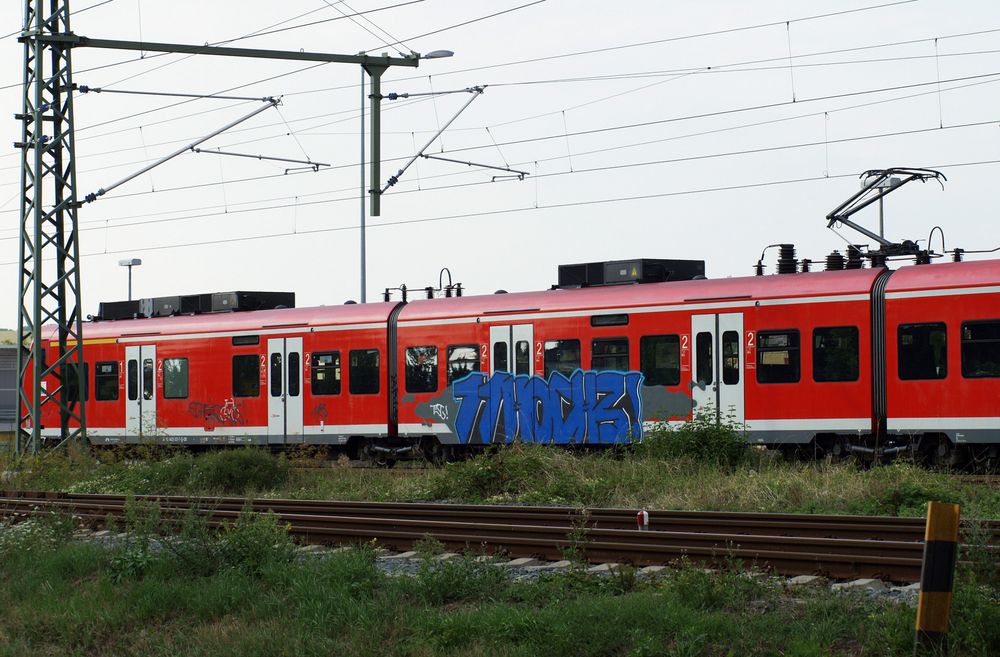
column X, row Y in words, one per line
column 805, row 265
column 854, row 260
column 924, row 258
column 878, row 260
column 835, row 261
column 956, row 255
column 787, row 264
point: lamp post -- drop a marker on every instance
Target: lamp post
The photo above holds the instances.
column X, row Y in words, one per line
column 375, row 73
column 888, row 183
column 130, row 262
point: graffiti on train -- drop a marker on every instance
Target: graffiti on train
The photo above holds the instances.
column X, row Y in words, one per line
column 585, row 407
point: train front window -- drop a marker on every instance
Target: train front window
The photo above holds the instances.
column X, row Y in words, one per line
column 923, row 351
column 660, row 360
column 421, row 369
column 246, row 376
column 778, row 356
column 703, row 346
column 463, row 359
column 175, row 378
column 609, row 354
column 835, row 354
column 562, row 356
column 106, row 380
column 981, row 349
column 364, row 372
column 326, row 373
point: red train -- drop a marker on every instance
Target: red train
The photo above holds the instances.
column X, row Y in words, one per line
column 864, row 360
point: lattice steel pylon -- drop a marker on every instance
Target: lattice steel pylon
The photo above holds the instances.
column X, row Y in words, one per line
column 49, row 273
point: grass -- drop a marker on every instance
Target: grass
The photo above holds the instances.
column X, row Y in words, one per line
column 761, row 481
column 72, row 599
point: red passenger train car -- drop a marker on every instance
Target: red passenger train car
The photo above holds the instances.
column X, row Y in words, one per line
column 870, row 361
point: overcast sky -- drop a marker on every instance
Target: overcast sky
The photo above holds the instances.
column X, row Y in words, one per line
column 631, row 119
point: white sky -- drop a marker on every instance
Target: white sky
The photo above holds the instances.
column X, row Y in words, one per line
column 484, row 247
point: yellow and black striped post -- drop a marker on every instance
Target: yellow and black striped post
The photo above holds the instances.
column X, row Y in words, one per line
column 937, row 577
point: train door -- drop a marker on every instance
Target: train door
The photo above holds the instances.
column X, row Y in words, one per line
column 717, row 372
column 284, row 390
column 510, row 349
column 140, row 391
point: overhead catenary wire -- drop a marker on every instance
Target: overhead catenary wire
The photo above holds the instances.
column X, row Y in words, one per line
column 512, row 210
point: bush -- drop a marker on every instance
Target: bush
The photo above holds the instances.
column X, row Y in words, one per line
column 701, row 439
column 254, row 542
column 239, row 471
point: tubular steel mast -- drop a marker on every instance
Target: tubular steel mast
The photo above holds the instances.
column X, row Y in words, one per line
column 49, row 273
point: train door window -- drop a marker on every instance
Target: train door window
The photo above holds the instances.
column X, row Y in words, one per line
column 778, row 356
column 364, row 372
column 421, row 369
column 923, row 351
column 562, row 356
column 703, row 345
column 522, row 357
column 326, row 373
column 730, row 358
column 175, row 378
column 106, row 380
column 246, row 376
column 609, row 354
column 463, row 359
column 147, row 378
column 294, row 368
column 981, row 349
column 660, row 360
column 835, row 354
column 276, row 374
column 500, row 357
column 73, row 383
column 133, row 380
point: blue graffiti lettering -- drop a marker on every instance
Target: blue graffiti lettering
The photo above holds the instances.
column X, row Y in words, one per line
column 585, row 407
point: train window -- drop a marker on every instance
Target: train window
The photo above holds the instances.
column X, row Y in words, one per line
column 562, row 356
column 276, row 374
column 730, row 358
column 326, row 373
column 609, row 320
column 106, row 380
column 609, row 354
column 246, row 376
column 500, row 357
column 778, row 356
column 703, row 345
column 133, row 380
column 421, row 369
column 73, row 383
column 660, row 360
column 147, row 378
column 463, row 359
column 835, row 354
column 175, row 378
column 239, row 340
column 364, row 372
column 522, row 357
column 923, row 351
column 294, row 367
column 981, row 349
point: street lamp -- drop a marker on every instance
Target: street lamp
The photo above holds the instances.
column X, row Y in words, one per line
column 375, row 73
column 130, row 262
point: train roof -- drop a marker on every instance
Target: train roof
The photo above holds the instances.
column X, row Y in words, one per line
column 854, row 281
column 230, row 322
column 973, row 273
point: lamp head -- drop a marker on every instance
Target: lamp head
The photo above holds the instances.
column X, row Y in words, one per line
column 129, row 262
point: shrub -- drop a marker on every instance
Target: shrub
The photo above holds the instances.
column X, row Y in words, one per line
column 457, row 580
column 254, row 542
column 701, row 439
column 239, row 471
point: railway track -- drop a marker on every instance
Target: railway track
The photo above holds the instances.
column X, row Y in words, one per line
column 841, row 547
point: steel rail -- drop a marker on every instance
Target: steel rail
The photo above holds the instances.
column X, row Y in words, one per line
column 837, row 546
